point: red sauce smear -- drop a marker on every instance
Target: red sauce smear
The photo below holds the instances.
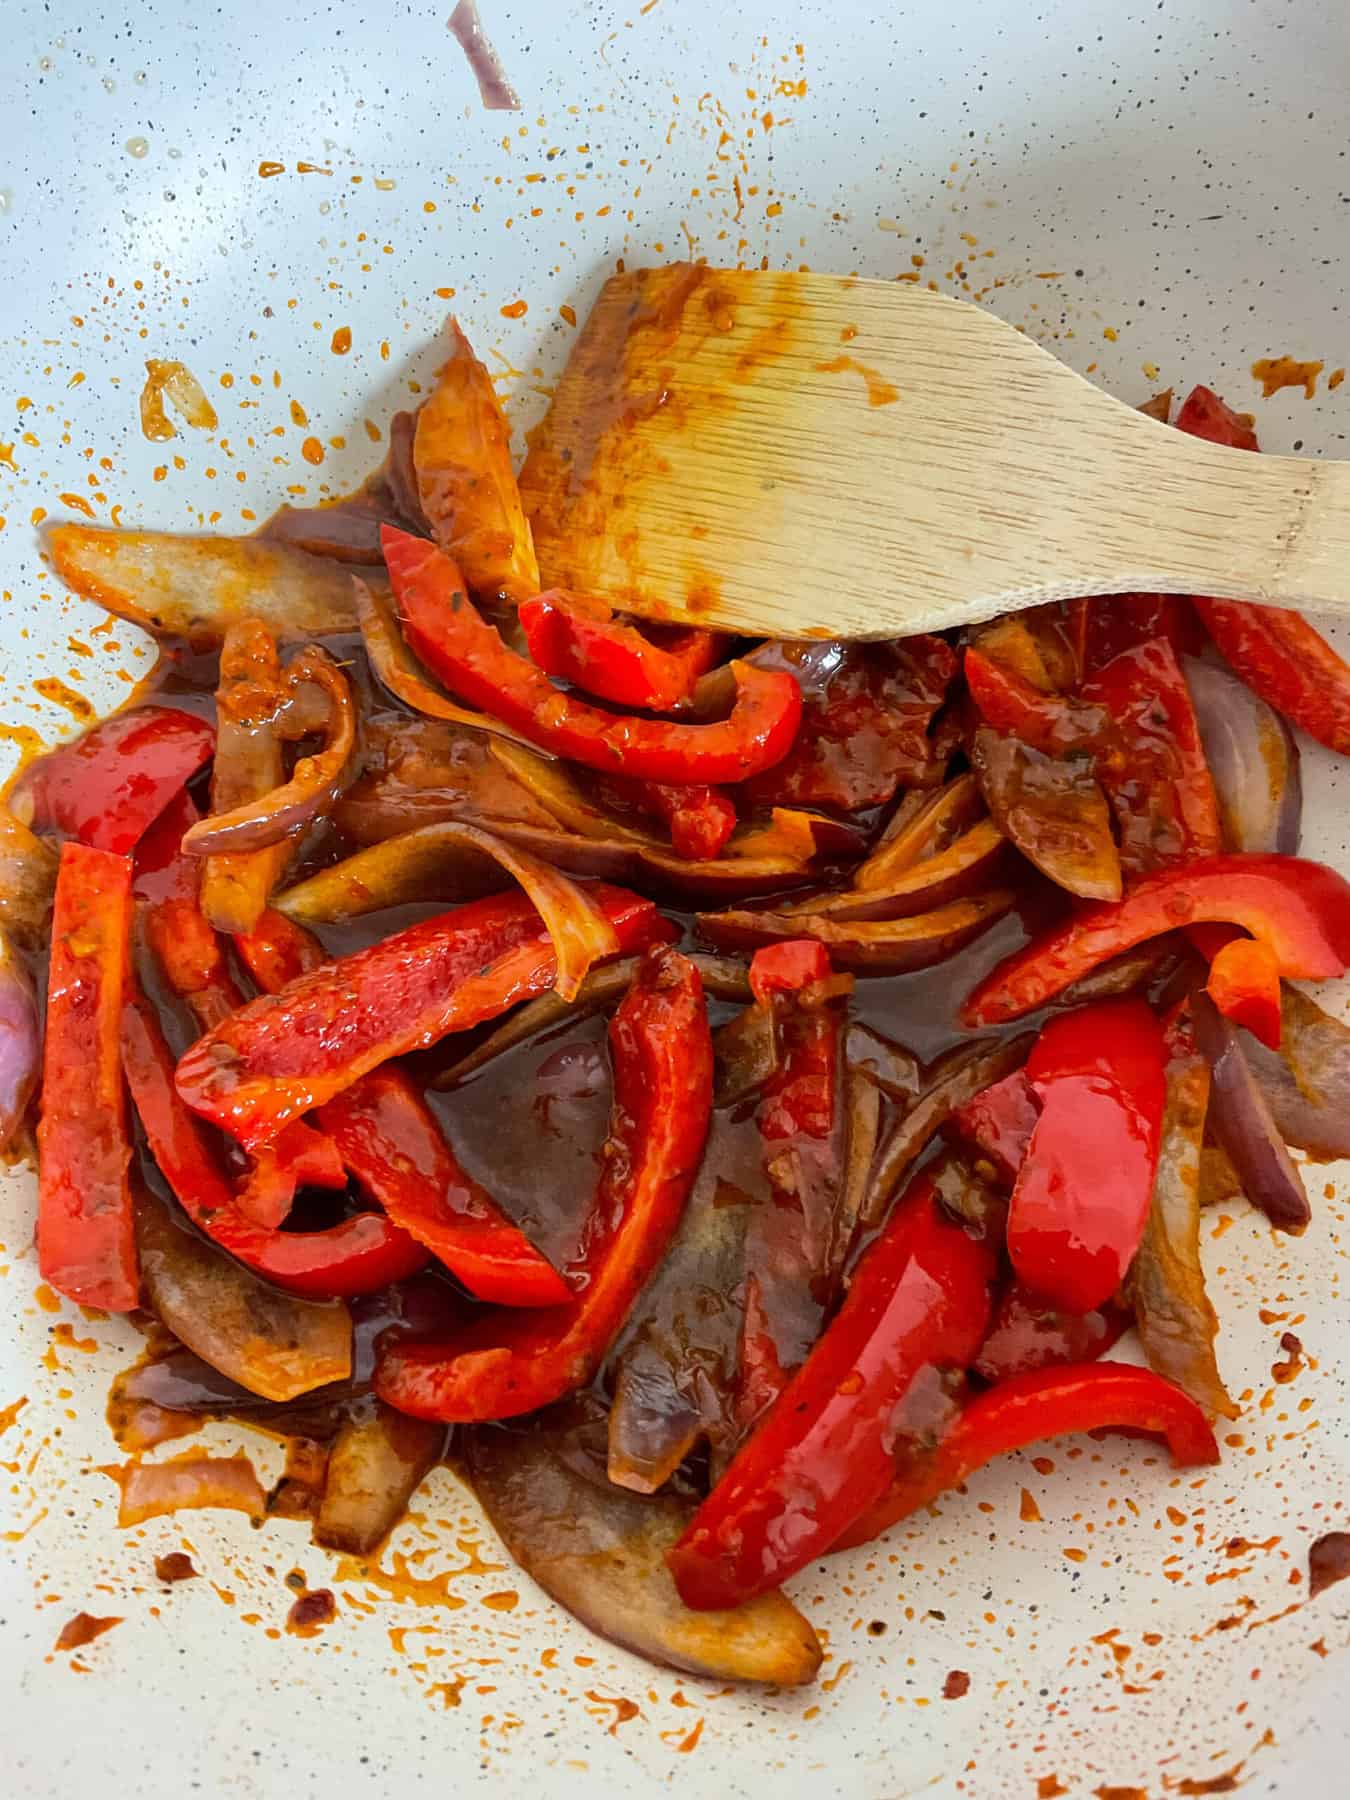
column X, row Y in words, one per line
column 1328, row 1562
column 176, row 1566
column 83, row 1629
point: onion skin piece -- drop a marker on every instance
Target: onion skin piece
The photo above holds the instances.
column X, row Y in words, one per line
column 377, row 1460
column 1253, row 758
column 197, row 587
column 1243, row 1124
column 600, row 1551
column 27, row 883
column 1175, row 1318
column 276, row 1345
column 20, row 1042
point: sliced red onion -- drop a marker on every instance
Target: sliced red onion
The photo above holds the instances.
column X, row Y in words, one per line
column 1307, row 1081
column 1242, row 1122
column 1253, row 758
column 20, row 1042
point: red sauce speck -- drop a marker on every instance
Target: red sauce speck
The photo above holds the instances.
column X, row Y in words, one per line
column 176, row 1566
column 956, row 1686
column 1328, row 1562
column 310, row 1612
column 83, row 1629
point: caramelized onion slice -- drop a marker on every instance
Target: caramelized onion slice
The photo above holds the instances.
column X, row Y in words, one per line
column 965, row 866
column 1243, row 1124
column 374, row 1466
column 20, row 1042
column 400, row 671
column 870, row 947
column 923, row 825
column 273, row 1344
column 553, row 785
column 438, row 861
column 197, row 587
column 599, row 1550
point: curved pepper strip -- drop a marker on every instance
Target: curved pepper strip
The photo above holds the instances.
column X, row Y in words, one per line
column 825, row 1453
column 1026, row 1409
column 661, row 1050
column 109, row 786
column 85, row 1231
column 287, row 1052
column 468, row 655
column 1244, row 983
column 1277, row 653
column 578, row 639
column 361, row 1254
column 391, row 1141
column 1082, row 1194
column 1300, row 910
column 700, row 819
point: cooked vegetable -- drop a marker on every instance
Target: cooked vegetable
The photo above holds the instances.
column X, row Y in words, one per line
column 1307, row 1086
column 825, row 1453
column 1053, row 810
column 999, row 1120
column 282, row 1054
column 1244, row 983
column 272, row 1343
column 923, row 825
column 601, row 1553
column 374, row 1466
column 1043, row 1404
column 579, row 640
column 662, row 1055
column 1300, row 909
column 467, row 488
column 109, row 786
column 1027, row 1333
column 85, row 1234
column 20, row 1042
column 197, row 587
column 700, row 819
column 27, row 882
column 1253, row 758
column 1082, row 1193
column 1243, row 1124
column 457, row 644
column 363, row 1253
column 1176, row 1321
column 872, row 947
column 312, row 694
column 966, row 866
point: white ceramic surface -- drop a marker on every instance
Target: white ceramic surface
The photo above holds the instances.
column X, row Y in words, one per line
column 1158, row 190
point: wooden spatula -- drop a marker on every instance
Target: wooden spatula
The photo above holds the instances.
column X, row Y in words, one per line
column 816, row 455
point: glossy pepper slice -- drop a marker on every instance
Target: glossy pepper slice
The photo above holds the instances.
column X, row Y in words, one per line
column 1299, row 909
column 359, row 1255
column 108, row 787
column 825, row 1453
column 1082, row 1194
column 1026, row 1409
column 86, row 1233
column 578, row 639
column 700, row 819
column 1276, row 652
column 287, row 1052
column 393, row 1144
column 1244, row 983
column 661, row 1050
column 458, row 645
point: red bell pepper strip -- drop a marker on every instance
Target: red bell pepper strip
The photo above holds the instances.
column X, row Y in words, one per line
column 1299, row 909
column 1026, row 1409
column 999, row 1122
column 108, row 787
column 661, row 1050
column 578, row 639
column 1027, row 1334
column 1152, row 762
column 825, row 1453
column 190, row 953
column 287, row 1052
column 1082, row 1194
column 700, row 819
column 1052, row 723
column 787, row 967
column 391, row 1141
column 1277, row 653
column 1244, row 983
column 357, row 1256
column 458, row 645
column 85, row 1233
column 1107, row 624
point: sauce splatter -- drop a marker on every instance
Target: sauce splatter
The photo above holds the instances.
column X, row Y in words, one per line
column 516, row 310
column 311, row 1612
column 880, row 392
column 267, row 169
column 83, row 1629
column 1276, row 372
column 494, row 90
column 174, row 382
column 53, row 689
column 624, row 1710
column 342, row 340
column 1328, row 1562
column 176, row 1566
column 8, row 1414
column 150, row 1490
column 956, row 1686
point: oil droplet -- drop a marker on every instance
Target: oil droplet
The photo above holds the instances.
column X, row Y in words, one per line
column 139, row 78
column 6, row 201
column 173, row 382
column 138, row 147
column 516, row 310
column 384, row 184
column 109, row 85
column 342, row 340
column 312, row 451
column 268, row 169
column 298, row 414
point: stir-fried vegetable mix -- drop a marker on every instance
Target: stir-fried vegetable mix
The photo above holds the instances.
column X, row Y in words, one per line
column 721, row 1094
